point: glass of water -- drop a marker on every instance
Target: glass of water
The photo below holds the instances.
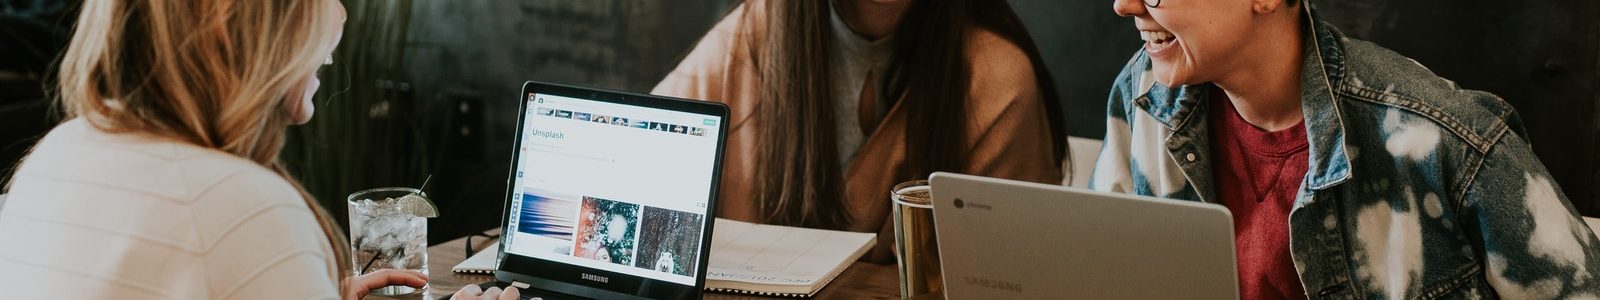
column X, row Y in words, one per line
column 389, row 230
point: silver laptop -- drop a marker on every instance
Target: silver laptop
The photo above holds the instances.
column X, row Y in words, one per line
column 610, row 194
column 1003, row 239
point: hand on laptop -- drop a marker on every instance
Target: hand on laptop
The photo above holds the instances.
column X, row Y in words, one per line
column 357, row 287
column 473, row 292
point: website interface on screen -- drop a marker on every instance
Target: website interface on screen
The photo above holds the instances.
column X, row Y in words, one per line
column 613, row 187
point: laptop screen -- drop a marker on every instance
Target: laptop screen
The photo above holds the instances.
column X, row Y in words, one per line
column 619, row 188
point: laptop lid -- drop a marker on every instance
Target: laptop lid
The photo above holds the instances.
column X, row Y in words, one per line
column 611, row 194
column 1003, row 239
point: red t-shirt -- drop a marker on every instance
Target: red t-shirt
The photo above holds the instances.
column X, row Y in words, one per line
column 1257, row 175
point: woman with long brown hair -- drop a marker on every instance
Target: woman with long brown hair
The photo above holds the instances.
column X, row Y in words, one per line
column 164, row 181
column 834, row 102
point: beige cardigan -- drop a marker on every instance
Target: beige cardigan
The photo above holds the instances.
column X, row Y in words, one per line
column 1008, row 135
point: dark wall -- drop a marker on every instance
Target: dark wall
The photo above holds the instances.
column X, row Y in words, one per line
column 32, row 33
column 1084, row 44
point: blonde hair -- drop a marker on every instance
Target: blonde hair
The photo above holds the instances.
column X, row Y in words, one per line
column 211, row 73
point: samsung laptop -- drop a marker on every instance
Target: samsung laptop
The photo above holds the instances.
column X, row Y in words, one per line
column 611, row 194
column 1003, row 239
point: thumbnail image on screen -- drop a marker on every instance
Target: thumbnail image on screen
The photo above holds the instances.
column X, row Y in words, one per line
column 551, row 219
column 606, row 230
column 669, row 241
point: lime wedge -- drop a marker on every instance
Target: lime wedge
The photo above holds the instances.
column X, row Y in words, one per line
column 417, row 205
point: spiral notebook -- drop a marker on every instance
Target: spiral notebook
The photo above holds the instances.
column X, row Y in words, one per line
column 481, row 262
column 782, row 261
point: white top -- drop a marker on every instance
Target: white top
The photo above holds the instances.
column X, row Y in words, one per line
column 94, row 215
column 854, row 63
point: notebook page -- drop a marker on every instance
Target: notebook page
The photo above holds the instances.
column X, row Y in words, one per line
column 769, row 254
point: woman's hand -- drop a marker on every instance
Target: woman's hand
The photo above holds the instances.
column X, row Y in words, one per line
column 473, row 292
column 357, row 287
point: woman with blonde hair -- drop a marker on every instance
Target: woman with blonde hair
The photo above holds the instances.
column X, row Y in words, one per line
column 164, row 181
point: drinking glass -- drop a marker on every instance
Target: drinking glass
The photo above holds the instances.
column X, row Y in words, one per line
column 915, row 245
column 387, row 233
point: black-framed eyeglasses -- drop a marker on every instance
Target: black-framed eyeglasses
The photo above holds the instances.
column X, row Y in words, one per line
column 1152, row 3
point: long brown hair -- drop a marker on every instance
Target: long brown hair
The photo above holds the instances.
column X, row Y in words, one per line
column 210, row 73
column 799, row 178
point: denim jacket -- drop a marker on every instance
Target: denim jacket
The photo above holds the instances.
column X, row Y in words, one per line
column 1415, row 189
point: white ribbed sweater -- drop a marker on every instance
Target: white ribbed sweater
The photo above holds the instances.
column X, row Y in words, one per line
column 94, row 215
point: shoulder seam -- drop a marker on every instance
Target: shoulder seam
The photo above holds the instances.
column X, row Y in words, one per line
column 33, row 175
column 251, row 216
column 262, row 268
column 129, row 234
column 1459, row 200
column 112, row 280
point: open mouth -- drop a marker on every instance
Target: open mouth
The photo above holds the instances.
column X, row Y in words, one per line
column 1155, row 41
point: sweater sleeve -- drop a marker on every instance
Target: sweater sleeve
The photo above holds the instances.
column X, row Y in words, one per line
column 1009, row 133
column 263, row 241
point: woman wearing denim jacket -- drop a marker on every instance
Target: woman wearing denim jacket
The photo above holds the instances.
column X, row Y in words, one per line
column 1351, row 171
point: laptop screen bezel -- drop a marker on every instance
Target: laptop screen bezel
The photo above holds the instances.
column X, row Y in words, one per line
column 567, row 278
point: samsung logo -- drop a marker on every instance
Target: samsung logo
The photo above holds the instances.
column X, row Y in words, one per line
column 994, row 284
column 595, row 278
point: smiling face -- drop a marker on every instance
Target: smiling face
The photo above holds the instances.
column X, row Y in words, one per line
column 1192, row 41
column 298, row 104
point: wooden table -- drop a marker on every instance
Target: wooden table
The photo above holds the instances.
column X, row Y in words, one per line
column 860, row 281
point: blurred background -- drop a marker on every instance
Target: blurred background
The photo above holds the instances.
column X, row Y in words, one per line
column 425, row 87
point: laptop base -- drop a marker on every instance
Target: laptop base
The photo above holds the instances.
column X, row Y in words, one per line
column 526, row 293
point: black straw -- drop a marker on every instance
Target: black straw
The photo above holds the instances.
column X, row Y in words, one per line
column 375, row 257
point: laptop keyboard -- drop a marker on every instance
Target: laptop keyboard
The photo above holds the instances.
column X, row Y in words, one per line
column 532, row 293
